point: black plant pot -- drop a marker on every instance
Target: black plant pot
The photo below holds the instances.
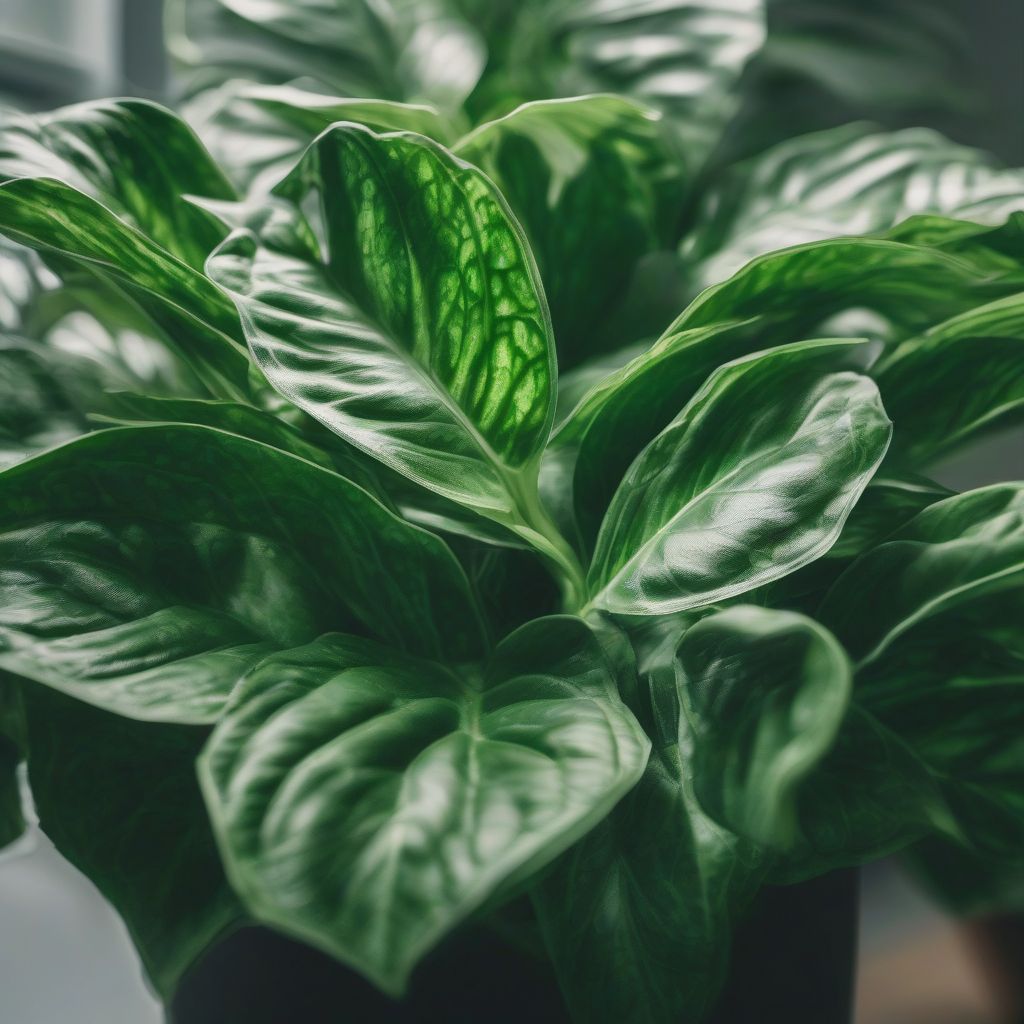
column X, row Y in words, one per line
column 793, row 962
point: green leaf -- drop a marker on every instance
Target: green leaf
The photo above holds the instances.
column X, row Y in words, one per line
column 119, row 799
column 932, row 617
column 888, row 503
column 257, row 132
column 368, row 803
column 637, row 916
column 961, row 379
column 739, row 489
column 869, row 797
column 684, row 57
column 82, row 233
column 135, row 157
column 765, row 693
column 230, row 417
column 777, row 297
column 567, row 167
column 967, row 546
column 392, row 296
column 12, row 752
column 144, row 572
column 35, row 412
column 846, row 181
column 396, row 49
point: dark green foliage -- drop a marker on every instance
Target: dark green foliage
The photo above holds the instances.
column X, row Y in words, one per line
column 373, row 477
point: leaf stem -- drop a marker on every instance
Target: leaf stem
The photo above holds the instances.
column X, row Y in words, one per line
column 539, row 529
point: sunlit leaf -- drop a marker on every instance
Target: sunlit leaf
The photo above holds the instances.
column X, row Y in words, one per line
column 733, row 494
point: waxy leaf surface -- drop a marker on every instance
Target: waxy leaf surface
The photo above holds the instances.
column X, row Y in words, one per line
column 392, row 296
column 931, row 618
column 845, row 181
column 135, row 157
column 637, row 916
column 959, row 380
column 732, row 495
column 81, row 233
column 145, row 571
column 765, row 692
column 367, row 803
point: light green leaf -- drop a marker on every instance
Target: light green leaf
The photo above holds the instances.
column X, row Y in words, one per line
column 119, row 800
column 367, row 803
column 419, row 50
column 144, row 572
column 961, row 379
column 765, row 693
column 583, row 175
column 81, row 233
column 135, row 157
column 393, row 297
column 257, row 132
column 740, row 489
column 845, row 181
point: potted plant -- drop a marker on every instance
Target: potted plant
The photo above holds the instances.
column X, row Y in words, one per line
column 469, row 517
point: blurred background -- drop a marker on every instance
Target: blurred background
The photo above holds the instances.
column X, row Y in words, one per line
column 917, row 966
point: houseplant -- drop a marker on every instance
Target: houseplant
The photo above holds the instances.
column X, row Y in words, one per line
column 583, row 657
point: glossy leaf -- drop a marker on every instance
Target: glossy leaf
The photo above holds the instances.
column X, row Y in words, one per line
column 368, row 804
column 969, row 545
column 584, row 176
column 79, row 231
column 144, row 572
column 135, row 157
column 35, row 412
column 310, row 441
column 871, row 796
column 732, row 495
column 258, row 132
column 401, row 308
column 637, row 916
column 932, row 617
column 961, row 379
column 119, row 799
column 396, row 49
column 774, row 299
column 765, row 693
column 846, row 181
column 683, row 56
column 888, row 503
